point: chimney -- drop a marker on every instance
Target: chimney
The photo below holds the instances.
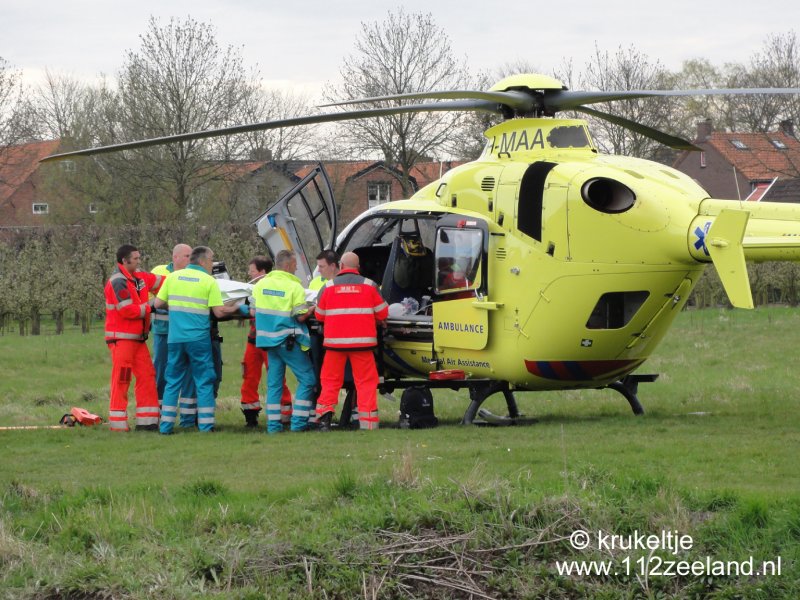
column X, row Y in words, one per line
column 704, row 130
column 261, row 154
column 787, row 127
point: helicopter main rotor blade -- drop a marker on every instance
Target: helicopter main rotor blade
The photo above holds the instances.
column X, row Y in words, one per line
column 665, row 138
column 519, row 101
column 551, row 101
column 456, row 105
column 556, row 100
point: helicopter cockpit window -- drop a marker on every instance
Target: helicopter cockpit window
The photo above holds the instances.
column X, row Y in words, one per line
column 573, row 136
column 458, row 257
column 615, row 310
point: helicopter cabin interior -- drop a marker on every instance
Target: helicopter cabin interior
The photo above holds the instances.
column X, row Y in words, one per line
column 417, row 260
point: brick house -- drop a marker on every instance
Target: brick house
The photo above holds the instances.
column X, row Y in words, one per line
column 746, row 166
column 21, row 201
column 246, row 187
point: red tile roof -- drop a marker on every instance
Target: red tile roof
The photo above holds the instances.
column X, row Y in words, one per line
column 233, row 170
column 761, row 160
column 18, row 163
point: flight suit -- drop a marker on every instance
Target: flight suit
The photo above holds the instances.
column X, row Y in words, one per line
column 127, row 328
column 349, row 306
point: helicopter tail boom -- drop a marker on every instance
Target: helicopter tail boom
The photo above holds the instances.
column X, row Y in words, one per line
column 730, row 233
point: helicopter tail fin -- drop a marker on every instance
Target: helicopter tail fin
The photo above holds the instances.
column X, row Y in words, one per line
column 725, row 245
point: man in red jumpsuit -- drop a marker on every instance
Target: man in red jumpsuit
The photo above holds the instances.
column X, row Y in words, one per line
column 256, row 358
column 349, row 306
column 127, row 326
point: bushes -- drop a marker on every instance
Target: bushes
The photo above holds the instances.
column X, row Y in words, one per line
column 770, row 283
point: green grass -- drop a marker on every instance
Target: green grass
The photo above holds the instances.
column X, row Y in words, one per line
column 84, row 513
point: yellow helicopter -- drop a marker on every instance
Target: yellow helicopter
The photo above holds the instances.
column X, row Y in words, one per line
column 542, row 265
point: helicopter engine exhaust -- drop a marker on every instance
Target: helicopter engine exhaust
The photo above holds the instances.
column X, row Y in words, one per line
column 607, row 195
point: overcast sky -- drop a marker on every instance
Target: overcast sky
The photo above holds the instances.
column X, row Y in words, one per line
column 302, row 44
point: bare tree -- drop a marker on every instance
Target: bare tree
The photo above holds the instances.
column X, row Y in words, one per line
column 777, row 65
column 287, row 143
column 15, row 122
column 628, row 69
column 61, row 105
column 179, row 80
column 402, row 54
column 467, row 141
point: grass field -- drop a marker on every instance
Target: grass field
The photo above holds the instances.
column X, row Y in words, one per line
column 452, row 512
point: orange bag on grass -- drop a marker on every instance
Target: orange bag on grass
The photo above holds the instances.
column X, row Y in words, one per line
column 81, row 416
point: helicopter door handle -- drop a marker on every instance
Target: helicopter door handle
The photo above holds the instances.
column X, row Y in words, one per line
column 486, row 305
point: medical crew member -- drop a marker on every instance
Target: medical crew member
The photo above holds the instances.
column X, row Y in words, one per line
column 256, row 358
column 350, row 306
column 328, row 267
column 127, row 326
column 279, row 306
column 188, row 401
column 190, row 293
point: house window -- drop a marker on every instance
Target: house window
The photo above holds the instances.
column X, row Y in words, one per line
column 378, row 192
column 92, row 208
column 739, row 145
column 41, row 208
column 779, row 144
column 703, row 160
column 68, row 166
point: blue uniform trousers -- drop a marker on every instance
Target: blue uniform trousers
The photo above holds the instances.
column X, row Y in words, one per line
column 188, row 397
column 182, row 356
column 300, row 364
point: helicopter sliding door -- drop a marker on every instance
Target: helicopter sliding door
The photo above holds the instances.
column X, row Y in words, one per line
column 459, row 318
column 302, row 221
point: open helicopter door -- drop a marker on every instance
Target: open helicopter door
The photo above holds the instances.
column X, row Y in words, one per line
column 460, row 313
column 302, row 221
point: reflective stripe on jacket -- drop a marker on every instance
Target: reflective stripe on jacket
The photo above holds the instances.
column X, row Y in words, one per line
column 279, row 298
column 190, row 294
column 350, row 305
column 127, row 310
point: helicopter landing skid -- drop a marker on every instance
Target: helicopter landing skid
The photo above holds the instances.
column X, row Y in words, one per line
column 488, row 418
column 479, row 393
column 628, row 386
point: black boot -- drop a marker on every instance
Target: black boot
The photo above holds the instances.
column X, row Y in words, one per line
column 251, row 417
column 153, row 427
column 325, row 421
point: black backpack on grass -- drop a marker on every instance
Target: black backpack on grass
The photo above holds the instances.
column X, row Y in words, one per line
column 416, row 409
